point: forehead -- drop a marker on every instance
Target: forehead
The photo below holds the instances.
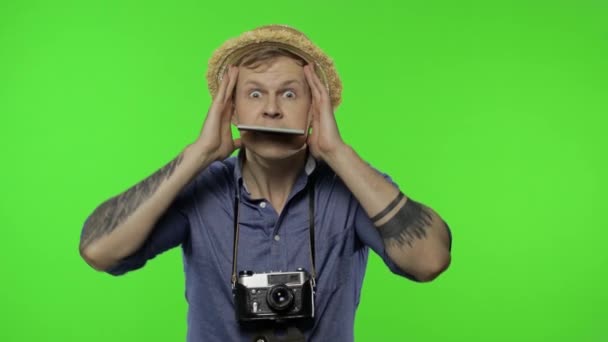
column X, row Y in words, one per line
column 278, row 70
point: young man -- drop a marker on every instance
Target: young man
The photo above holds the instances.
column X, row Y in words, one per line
column 272, row 77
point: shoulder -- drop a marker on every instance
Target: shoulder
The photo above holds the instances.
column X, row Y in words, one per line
column 215, row 181
column 219, row 171
column 327, row 182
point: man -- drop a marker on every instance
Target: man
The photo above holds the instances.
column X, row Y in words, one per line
column 272, row 77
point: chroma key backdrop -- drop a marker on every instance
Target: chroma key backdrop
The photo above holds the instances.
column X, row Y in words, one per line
column 492, row 113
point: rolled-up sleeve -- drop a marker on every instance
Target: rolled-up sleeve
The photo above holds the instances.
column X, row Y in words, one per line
column 170, row 231
column 370, row 236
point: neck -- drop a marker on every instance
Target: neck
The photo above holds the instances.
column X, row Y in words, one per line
column 271, row 179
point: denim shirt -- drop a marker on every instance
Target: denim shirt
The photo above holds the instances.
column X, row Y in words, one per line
column 200, row 219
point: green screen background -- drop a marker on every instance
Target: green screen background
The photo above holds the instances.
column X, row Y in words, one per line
column 493, row 114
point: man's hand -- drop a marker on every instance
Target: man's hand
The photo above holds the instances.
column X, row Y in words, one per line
column 215, row 141
column 325, row 140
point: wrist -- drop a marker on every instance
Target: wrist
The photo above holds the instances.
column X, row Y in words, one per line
column 197, row 156
column 338, row 156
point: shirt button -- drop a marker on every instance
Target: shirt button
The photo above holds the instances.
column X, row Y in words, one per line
column 277, row 237
column 263, row 204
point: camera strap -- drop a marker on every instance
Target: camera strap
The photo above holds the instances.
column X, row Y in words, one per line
column 310, row 189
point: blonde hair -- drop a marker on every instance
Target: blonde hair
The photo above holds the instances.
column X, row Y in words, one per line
column 265, row 55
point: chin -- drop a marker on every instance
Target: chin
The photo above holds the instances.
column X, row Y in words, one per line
column 275, row 150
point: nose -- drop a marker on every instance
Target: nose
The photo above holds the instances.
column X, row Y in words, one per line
column 271, row 110
column 272, row 115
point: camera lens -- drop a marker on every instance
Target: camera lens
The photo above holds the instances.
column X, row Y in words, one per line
column 280, row 298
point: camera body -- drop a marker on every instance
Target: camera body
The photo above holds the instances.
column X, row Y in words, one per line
column 274, row 296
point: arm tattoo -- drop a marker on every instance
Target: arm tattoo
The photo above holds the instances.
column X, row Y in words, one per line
column 114, row 211
column 388, row 208
column 410, row 223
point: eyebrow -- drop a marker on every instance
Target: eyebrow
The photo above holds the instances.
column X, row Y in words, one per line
column 286, row 83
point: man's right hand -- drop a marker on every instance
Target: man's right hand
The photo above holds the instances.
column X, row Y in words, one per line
column 215, row 141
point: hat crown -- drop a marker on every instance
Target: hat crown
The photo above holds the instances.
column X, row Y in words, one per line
column 281, row 36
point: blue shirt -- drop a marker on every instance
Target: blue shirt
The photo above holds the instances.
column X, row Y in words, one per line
column 201, row 221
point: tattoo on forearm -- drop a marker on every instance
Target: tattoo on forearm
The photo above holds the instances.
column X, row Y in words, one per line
column 388, row 208
column 410, row 223
column 114, row 211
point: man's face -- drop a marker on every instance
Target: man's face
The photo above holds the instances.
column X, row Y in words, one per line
column 276, row 96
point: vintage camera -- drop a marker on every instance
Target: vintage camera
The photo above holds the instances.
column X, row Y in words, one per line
column 274, row 296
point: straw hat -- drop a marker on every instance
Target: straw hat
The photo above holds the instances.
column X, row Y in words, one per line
column 282, row 36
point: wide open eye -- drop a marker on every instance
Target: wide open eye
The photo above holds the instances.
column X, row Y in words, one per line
column 255, row 94
column 289, row 94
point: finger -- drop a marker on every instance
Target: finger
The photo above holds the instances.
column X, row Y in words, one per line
column 308, row 71
column 314, row 120
column 227, row 109
column 223, row 85
column 316, row 95
column 234, row 71
column 229, row 103
column 320, row 85
column 226, row 115
column 215, row 113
